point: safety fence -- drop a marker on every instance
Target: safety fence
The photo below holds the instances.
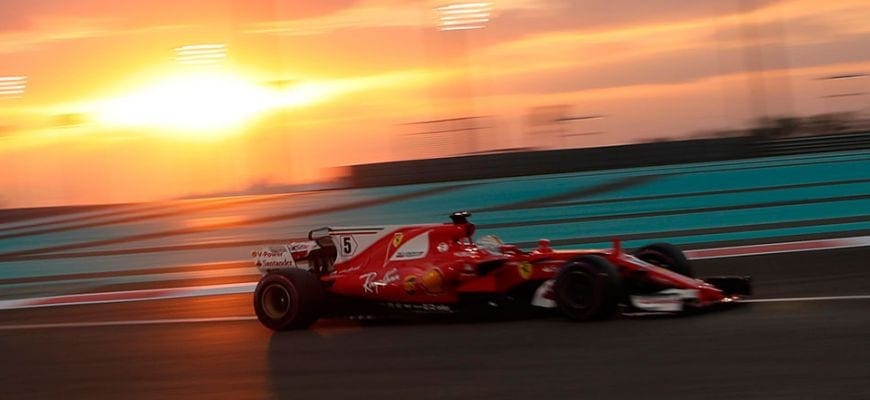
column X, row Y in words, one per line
column 485, row 166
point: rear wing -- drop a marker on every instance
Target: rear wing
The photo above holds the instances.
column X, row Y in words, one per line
column 318, row 233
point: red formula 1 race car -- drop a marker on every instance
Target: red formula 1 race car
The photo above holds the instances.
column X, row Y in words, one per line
column 439, row 269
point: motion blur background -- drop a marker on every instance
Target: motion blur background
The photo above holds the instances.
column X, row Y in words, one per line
column 746, row 133
column 105, row 101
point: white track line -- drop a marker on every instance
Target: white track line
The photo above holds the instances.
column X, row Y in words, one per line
column 821, row 298
column 251, row 318
column 124, row 323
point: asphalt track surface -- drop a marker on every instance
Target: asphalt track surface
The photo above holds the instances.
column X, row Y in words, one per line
column 774, row 349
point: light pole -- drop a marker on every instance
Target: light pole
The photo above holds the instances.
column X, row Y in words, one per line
column 464, row 16
column 458, row 19
column 753, row 62
column 201, row 54
column 573, row 120
column 450, row 126
column 12, row 87
column 852, row 88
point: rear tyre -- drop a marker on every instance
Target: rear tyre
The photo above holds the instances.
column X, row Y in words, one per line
column 667, row 256
column 588, row 288
column 288, row 299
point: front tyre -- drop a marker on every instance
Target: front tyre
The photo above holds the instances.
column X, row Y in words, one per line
column 288, row 299
column 667, row 256
column 588, row 288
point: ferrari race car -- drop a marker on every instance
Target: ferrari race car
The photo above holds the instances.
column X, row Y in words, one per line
column 440, row 269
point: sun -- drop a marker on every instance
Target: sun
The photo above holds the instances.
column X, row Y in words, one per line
column 201, row 105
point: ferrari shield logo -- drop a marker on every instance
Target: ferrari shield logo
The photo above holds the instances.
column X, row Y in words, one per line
column 397, row 239
column 525, row 269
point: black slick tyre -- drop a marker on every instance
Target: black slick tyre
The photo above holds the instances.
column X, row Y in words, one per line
column 588, row 288
column 288, row 299
column 667, row 256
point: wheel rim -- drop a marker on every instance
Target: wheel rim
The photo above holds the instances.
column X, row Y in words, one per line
column 276, row 301
column 578, row 291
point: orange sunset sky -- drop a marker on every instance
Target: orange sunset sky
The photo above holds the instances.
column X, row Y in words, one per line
column 100, row 105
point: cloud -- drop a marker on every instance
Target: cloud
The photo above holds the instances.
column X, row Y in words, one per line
column 597, row 14
column 678, row 65
column 270, row 10
column 368, row 16
column 15, row 15
column 18, row 15
column 35, row 20
column 6, row 130
column 825, row 26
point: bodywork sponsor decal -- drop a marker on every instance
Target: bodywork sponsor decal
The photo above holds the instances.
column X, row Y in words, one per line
column 371, row 283
column 348, row 245
column 433, row 281
column 274, row 257
column 413, row 249
column 544, row 295
column 275, row 263
column 411, row 285
column 669, row 300
column 301, row 246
